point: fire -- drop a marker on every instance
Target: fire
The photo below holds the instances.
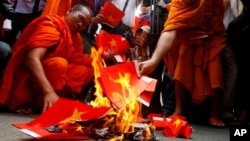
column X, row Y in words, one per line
column 120, row 123
column 128, row 114
column 97, row 64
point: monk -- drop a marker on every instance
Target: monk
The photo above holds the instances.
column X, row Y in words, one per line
column 191, row 44
column 47, row 62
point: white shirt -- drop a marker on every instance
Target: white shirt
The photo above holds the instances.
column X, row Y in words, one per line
column 233, row 9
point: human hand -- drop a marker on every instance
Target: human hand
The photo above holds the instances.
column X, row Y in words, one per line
column 146, row 67
column 49, row 100
column 99, row 18
column 161, row 3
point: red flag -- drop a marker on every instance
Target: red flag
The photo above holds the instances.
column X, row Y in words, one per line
column 159, row 121
column 174, row 126
column 112, row 14
column 146, row 96
column 125, row 73
column 186, row 131
column 111, row 42
column 62, row 110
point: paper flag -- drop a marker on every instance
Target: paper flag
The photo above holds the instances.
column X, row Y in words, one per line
column 111, row 42
column 176, row 126
column 158, row 121
column 61, row 110
column 116, row 81
column 112, row 14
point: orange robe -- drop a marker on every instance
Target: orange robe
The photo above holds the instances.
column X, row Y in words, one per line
column 64, row 62
column 59, row 7
column 195, row 62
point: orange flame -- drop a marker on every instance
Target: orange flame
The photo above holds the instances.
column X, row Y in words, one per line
column 128, row 114
column 98, row 63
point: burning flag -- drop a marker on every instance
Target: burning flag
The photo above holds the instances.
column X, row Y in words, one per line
column 119, row 82
column 64, row 110
column 71, row 119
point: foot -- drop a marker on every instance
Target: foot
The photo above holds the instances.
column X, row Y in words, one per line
column 216, row 122
column 242, row 118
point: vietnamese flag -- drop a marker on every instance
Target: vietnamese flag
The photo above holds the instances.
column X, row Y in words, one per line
column 186, row 131
column 112, row 14
column 112, row 42
column 158, row 121
column 115, row 81
column 146, row 96
column 62, row 110
column 174, row 126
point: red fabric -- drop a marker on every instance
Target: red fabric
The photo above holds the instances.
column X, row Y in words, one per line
column 114, row 90
column 62, row 110
column 115, row 42
column 112, row 14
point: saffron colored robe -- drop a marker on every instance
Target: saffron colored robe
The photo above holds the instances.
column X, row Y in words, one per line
column 194, row 59
column 64, row 62
column 59, row 7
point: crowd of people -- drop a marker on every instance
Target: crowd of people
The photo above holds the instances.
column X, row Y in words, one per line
column 203, row 49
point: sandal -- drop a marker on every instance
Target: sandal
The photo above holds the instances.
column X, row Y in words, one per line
column 217, row 123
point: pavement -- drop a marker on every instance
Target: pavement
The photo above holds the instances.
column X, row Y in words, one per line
column 201, row 132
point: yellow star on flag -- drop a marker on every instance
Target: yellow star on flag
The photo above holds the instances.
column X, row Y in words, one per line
column 124, row 81
column 177, row 122
column 74, row 117
column 79, row 128
column 113, row 43
column 110, row 19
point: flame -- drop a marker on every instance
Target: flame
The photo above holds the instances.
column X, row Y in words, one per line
column 98, row 63
column 128, row 114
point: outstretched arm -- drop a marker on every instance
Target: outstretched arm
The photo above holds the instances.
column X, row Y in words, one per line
column 163, row 45
column 33, row 62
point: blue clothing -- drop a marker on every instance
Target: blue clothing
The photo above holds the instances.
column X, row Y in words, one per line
column 5, row 51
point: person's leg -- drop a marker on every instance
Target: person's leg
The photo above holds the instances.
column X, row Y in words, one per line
column 230, row 72
column 217, row 85
column 214, row 119
column 179, row 95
